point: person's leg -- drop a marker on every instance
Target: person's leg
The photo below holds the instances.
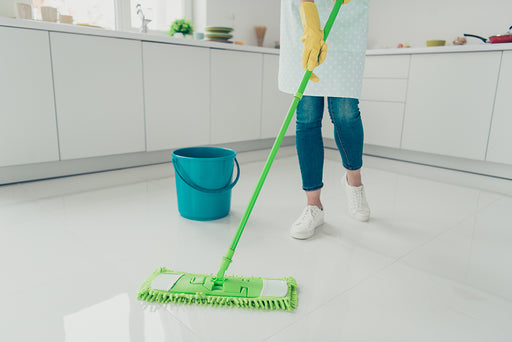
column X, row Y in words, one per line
column 310, row 147
column 354, row 177
column 313, row 198
column 349, row 137
column 310, row 151
column 348, row 134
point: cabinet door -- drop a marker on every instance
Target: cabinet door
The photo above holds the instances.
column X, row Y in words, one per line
column 388, row 66
column 275, row 104
column 382, row 122
column 28, row 129
column 500, row 139
column 177, row 95
column 235, row 95
column 449, row 103
column 98, row 89
column 384, row 89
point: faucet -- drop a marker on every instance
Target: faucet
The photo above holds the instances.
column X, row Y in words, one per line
column 144, row 21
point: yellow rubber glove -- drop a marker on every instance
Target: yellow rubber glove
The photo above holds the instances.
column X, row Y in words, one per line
column 315, row 49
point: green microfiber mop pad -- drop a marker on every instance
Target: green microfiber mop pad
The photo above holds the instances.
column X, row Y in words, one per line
column 166, row 286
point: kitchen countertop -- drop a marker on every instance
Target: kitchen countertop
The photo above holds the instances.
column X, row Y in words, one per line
column 147, row 37
column 482, row 47
column 161, row 38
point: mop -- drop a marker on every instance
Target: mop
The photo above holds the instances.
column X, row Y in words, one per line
column 166, row 286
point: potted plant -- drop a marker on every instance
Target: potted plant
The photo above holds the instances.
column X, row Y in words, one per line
column 181, row 27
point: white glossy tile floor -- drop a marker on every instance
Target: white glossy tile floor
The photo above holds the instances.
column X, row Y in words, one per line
column 433, row 264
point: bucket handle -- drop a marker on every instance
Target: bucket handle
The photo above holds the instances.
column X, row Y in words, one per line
column 193, row 185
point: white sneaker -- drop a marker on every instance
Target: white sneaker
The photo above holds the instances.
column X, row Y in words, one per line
column 357, row 204
column 309, row 220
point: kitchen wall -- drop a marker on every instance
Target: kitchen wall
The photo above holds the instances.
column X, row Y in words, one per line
column 391, row 21
column 242, row 15
column 415, row 21
column 8, row 7
column 199, row 15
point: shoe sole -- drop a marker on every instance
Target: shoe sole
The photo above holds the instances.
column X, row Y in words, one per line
column 361, row 218
column 305, row 236
column 302, row 237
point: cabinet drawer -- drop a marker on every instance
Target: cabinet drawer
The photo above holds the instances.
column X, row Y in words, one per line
column 376, row 89
column 382, row 122
column 387, row 66
column 28, row 129
column 177, row 113
column 500, row 139
column 98, row 92
column 236, row 82
column 450, row 99
column 275, row 104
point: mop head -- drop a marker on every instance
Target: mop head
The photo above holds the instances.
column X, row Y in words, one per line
column 166, row 286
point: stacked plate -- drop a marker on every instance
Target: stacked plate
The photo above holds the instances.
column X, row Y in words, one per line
column 219, row 33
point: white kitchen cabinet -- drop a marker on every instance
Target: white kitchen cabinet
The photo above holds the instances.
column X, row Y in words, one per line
column 376, row 89
column 177, row 95
column 387, row 66
column 99, row 96
column 236, row 82
column 28, row 128
column 275, row 104
column 500, row 139
column 383, row 99
column 327, row 126
column 449, row 103
column 382, row 122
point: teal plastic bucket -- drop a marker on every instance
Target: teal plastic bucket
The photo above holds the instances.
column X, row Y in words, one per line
column 204, row 179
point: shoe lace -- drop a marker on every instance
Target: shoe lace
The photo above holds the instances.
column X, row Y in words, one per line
column 358, row 198
column 307, row 212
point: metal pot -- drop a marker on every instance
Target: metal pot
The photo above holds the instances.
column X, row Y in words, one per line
column 499, row 38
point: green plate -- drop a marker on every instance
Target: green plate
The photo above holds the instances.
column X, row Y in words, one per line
column 218, row 35
column 218, row 29
column 219, row 40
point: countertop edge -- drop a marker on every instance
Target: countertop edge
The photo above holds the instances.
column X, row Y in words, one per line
column 144, row 37
column 441, row 49
column 157, row 38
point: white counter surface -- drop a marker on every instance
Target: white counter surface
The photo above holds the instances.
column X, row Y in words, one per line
column 159, row 38
column 57, row 27
column 482, row 47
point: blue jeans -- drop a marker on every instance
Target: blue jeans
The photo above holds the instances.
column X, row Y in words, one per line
column 348, row 134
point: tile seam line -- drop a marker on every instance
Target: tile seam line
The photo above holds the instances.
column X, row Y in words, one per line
column 383, row 269
column 192, row 331
column 339, row 294
column 453, row 227
column 108, row 186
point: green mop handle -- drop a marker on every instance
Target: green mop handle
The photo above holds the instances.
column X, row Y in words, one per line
column 226, row 260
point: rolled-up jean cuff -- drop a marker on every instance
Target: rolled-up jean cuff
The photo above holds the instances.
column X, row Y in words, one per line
column 313, row 188
column 352, row 168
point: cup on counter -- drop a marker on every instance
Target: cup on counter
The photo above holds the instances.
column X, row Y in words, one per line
column 23, row 11
column 198, row 35
column 65, row 19
column 49, row 13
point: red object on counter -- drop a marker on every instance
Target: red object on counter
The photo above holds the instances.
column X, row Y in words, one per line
column 499, row 38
